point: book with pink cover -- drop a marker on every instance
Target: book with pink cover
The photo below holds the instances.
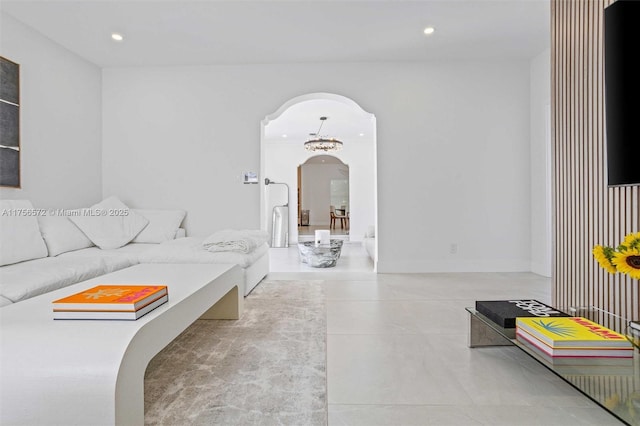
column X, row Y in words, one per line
column 574, row 352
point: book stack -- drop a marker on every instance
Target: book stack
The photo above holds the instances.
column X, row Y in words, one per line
column 115, row 302
column 572, row 337
column 504, row 312
column 583, row 366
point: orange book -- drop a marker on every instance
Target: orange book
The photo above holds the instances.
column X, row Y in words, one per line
column 117, row 298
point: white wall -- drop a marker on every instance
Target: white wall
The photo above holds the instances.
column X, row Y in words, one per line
column 452, row 147
column 60, row 121
column 541, row 235
column 453, row 168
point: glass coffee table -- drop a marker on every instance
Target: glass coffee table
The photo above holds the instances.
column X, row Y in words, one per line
column 615, row 387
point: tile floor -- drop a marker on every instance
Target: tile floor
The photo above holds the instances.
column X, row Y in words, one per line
column 397, row 350
column 354, row 262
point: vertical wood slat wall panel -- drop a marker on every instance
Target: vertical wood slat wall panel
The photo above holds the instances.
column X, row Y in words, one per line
column 586, row 211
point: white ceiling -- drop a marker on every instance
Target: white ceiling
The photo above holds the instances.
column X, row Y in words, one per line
column 180, row 32
column 212, row 32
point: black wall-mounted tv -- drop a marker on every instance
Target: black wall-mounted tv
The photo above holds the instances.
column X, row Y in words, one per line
column 622, row 91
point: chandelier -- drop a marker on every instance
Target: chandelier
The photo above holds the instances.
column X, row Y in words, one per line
column 320, row 143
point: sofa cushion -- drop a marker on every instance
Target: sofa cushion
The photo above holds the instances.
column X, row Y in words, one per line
column 190, row 250
column 131, row 252
column 163, row 225
column 29, row 279
column 61, row 235
column 4, row 301
column 110, row 223
column 20, row 237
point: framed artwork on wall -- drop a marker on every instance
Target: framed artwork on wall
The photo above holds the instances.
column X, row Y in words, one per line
column 249, row 177
column 9, row 123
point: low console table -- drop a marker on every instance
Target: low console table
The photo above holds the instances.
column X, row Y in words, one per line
column 616, row 389
column 91, row 372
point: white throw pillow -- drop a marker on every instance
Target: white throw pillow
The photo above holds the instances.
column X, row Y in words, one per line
column 163, row 225
column 61, row 235
column 371, row 232
column 20, row 237
column 110, row 224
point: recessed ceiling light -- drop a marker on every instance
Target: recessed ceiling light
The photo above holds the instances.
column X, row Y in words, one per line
column 117, row 37
column 284, row 136
column 429, row 30
column 361, row 134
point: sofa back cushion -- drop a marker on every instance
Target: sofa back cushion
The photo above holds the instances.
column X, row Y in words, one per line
column 29, row 279
column 20, row 237
column 110, row 224
column 163, row 225
column 61, row 235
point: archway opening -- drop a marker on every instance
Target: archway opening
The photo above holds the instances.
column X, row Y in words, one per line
column 323, row 197
column 283, row 134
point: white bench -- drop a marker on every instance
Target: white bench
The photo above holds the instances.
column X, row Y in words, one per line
column 91, row 371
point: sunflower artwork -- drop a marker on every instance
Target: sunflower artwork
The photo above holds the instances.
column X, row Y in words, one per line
column 624, row 259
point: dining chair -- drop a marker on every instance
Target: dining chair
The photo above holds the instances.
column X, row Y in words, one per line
column 334, row 216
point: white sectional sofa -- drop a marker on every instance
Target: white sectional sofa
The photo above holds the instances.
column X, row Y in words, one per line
column 369, row 242
column 42, row 251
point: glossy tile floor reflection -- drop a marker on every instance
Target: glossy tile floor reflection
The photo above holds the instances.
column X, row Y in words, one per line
column 397, row 350
column 353, row 261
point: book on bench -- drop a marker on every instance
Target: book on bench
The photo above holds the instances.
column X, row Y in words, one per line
column 581, row 365
column 573, row 336
column 505, row 312
column 117, row 301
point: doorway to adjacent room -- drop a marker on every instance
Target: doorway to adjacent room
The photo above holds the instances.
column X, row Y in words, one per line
column 323, row 197
column 351, row 190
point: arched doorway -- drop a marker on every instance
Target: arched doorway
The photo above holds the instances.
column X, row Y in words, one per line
column 283, row 134
column 323, row 185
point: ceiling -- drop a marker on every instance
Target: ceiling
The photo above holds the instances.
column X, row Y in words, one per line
column 210, row 32
column 214, row 32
